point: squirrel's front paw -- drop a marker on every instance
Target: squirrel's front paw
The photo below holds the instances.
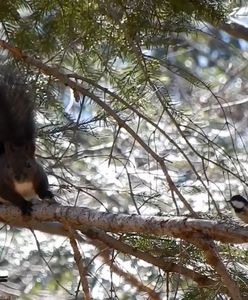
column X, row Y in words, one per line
column 49, row 195
column 27, row 208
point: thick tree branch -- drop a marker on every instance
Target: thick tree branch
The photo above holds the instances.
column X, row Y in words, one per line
column 96, row 236
column 179, row 227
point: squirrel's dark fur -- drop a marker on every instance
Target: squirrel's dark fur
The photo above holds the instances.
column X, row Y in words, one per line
column 21, row 176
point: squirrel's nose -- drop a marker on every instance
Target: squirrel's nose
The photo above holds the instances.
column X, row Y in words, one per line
column 17, row 177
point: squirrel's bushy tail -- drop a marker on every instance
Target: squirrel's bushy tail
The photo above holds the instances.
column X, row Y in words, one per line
column 16, row 109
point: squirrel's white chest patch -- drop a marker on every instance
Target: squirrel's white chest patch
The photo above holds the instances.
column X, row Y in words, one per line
column 26, row 189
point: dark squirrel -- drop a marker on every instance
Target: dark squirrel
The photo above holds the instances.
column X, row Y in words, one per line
column 21, row 176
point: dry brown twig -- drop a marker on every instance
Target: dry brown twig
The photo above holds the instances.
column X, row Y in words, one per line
column 105, row 253
column 78, row 259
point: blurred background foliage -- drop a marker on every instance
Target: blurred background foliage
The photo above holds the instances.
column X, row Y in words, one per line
column 171, row 71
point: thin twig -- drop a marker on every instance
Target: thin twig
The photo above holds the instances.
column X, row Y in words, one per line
column 78, row 259
column 105, row 254
column 214, row 260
